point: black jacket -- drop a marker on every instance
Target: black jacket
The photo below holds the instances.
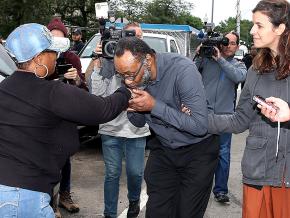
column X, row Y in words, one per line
column 38, row 120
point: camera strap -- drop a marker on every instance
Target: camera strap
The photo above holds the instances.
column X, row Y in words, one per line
column 107, row 69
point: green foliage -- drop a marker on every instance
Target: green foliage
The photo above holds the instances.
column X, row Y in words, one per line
column 166, row 11
column 231, row 25
column 82, row 13
column 188, row 19
column 15, row 13
column 130, row 9
column 156, row 11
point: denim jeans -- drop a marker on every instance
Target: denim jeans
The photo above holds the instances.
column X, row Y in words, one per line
column 20, row 203
column 114, row 148
column 223, row 168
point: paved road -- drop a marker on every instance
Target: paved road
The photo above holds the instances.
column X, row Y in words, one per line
column 87, row 185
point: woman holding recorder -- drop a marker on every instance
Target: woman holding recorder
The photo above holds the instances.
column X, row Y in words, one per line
column 266, row 159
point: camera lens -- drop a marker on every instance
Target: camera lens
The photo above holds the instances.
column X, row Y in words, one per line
column 109, row 48
column 225, row 41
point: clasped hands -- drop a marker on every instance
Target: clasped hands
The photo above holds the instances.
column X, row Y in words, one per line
column 142, row 101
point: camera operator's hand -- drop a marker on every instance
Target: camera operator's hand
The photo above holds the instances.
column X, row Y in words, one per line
column 98, row 49
column 198, row 49
column 72, row 74
column 217, row 54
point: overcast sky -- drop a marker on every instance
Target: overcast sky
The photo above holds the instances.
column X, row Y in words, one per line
column 223, row 9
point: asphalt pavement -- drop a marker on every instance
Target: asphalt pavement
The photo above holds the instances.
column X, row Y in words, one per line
column 88, row 177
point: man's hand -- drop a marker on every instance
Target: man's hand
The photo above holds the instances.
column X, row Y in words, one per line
column 98, row 49
column 217, row 54
column 141, row 101
column 185, row 110
column 72, row 73
column 198, row 49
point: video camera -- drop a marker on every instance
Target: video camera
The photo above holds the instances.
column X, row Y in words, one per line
column 211, row 40
column 111, row 36
column 110, row 39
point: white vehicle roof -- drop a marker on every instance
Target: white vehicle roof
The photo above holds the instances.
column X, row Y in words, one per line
column 156, row 35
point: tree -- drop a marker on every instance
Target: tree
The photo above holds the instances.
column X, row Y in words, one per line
column 15, row 13
column 187, row 18
column 231, row 25
column 130, row 9
column 73, row 12
column 157, row 11
column 246, row 26
column 166, row 11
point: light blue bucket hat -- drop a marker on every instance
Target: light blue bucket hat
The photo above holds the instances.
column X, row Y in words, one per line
column 28, row 40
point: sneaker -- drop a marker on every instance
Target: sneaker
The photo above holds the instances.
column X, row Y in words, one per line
column 66, row 202
column 134, row 209
column 222, row 198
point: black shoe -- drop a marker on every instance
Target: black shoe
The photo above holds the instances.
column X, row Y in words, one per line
column 134, row 209
column 222, row 198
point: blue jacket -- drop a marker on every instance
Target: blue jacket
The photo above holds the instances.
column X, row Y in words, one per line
column 220, row 79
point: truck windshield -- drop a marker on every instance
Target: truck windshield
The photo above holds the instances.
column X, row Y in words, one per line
column 89, row 48
column 158, row 44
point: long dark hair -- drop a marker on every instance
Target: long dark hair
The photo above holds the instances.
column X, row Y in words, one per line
column 278, row 13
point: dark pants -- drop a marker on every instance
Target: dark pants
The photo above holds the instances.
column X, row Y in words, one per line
column 179, row 180
column 65, row 177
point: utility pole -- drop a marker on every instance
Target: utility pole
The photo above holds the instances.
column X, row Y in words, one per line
column 212, row 9
column 238, row 18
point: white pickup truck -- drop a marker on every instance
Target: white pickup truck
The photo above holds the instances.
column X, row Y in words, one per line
column 7, row 65
column 159, row 42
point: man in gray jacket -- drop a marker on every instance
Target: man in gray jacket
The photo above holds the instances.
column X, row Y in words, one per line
column 220, row 75
column 168, row 95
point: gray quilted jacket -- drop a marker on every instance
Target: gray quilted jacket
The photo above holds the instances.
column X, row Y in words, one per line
column 260, row 164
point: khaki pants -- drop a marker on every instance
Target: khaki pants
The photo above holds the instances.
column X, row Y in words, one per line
column 269, row 202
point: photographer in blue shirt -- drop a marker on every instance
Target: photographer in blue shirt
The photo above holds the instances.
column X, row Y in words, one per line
column 221, row 73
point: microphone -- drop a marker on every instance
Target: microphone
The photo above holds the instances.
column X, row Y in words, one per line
column 200, row 35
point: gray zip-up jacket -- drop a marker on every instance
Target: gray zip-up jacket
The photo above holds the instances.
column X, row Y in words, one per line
column 104, row 85
column 220, row 79
column 260, row 165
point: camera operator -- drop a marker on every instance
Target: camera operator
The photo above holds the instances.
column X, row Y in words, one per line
column 220, row 75
column 74, row 77
column 119, row 138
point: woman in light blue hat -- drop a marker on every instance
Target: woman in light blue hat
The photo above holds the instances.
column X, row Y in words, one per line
column 38, row 120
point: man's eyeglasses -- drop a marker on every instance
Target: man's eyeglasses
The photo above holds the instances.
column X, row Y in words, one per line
column 131, row 77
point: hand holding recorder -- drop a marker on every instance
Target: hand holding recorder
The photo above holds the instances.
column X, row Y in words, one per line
column 283, row 114
column 267, row 105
